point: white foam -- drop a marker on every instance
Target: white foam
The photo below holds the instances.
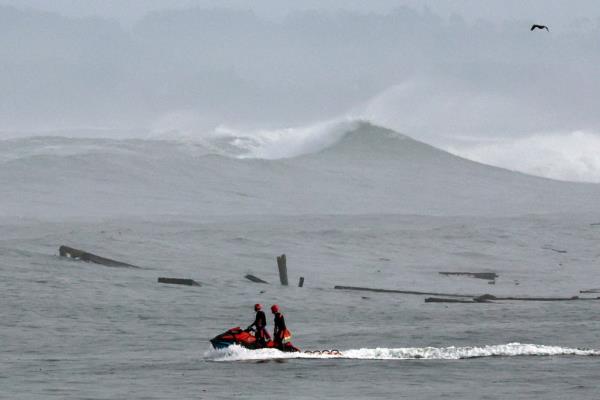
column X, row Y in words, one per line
column 243, row 142
column 237, row 353
column 273, row 144
column 571, row 156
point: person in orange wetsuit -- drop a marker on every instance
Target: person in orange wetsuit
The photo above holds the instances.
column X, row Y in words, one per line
column 260, row 325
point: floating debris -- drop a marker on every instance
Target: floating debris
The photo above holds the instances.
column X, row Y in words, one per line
column 179, row 281
column 488, row 276
column 281, row 265
column 81, row 255
column 254, row 279
column 548, row 247
column 401, row 291
column 590, row 291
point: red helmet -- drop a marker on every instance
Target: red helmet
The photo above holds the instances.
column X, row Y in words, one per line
column 274, row 308
column 257, row 307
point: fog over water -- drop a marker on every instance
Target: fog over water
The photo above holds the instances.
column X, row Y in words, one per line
column 453, row 74
column 376, row 144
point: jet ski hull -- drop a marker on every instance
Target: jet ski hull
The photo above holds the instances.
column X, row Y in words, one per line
column 245, row 339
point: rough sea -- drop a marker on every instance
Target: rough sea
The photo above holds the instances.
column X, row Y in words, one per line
column 364, row 207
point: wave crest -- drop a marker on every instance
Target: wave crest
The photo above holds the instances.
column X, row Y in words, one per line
column 287, row 142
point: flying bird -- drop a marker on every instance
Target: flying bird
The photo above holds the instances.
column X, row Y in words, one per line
column 535, row 26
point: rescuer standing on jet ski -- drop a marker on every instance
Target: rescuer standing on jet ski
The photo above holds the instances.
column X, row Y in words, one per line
column 281, row 336
column 260, row 324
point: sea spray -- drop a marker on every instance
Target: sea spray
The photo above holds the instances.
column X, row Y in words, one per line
column 272, row 144
column 238, row 353
column 573, row 156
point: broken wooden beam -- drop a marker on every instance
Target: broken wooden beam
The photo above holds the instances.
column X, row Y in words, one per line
column 476, row 298
column 488, row 276
column 253, row 278
column 179, row 281
column 402, row 291
column 281, row 265
column 572, row 298
column 301, row 281
column 590, row 291
column 548, row 247
column 487, row 297
column 442, row 300
column 76, row 254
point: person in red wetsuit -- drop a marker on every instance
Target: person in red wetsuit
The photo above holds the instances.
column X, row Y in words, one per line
column 279, row 327
column 260, row 325
column 281, row 335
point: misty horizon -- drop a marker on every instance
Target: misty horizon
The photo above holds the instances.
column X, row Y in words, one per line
column 481, row 89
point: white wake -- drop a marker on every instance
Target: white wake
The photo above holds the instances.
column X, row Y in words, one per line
column 238, row 353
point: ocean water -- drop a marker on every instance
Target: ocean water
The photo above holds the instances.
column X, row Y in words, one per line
column 374, row 209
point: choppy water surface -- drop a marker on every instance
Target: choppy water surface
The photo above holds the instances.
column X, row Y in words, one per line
column 345, row 210
column 76, row 330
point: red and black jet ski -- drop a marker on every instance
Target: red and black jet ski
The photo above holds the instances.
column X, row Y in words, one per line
column 245, row 338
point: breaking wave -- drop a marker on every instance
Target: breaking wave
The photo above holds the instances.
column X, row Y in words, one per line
column 569, row 156
column 564, row 156
column 286, row 142
column 238, row 353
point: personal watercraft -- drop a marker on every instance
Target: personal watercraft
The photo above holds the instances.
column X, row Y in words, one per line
column 245, row 338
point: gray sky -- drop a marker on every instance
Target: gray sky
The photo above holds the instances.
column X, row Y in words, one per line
column 432, row 73
column 550, row 11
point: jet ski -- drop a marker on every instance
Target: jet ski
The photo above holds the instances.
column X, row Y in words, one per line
column 245, row 338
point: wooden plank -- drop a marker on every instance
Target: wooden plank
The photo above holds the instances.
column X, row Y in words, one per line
column 548, row 247
column 442, row 300
column 489, row 276
column 76, row 254
column 402, row 291
column 573, row 298
column 179, row 281
column 476, row 298
column 590, row 291
column 255, row 279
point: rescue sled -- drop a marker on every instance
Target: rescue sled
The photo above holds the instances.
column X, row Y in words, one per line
column 245, row 338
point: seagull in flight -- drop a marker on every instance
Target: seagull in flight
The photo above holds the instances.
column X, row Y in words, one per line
column 535, row 26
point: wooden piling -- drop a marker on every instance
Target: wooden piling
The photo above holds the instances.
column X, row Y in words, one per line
column 179, row 281
column 301, row 281
column 281, row 265
column 76, row 254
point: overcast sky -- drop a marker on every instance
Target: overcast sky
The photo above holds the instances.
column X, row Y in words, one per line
column 431, row 72
column 549, row 11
